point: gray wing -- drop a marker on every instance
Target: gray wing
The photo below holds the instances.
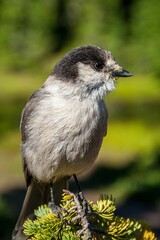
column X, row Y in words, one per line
column 33, row 101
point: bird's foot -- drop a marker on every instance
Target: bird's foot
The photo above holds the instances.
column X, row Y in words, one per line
column 82, row 209
column 56, row 209
column 85, row 205
column 81, row 198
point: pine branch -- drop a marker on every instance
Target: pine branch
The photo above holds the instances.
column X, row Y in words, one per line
column 94, row 221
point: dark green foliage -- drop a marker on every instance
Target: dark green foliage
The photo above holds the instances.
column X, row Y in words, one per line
column 146, row 40
column 32, row 29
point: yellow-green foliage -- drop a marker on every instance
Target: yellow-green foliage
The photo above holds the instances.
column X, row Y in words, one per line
column 103, row 223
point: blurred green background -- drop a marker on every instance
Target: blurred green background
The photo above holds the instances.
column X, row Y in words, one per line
column 33, row 36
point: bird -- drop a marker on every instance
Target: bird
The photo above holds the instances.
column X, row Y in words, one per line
column 63, row 125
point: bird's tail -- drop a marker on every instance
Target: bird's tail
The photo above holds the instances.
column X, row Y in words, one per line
column 37, row 194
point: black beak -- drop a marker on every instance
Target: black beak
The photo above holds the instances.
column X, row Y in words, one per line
column 121, row 73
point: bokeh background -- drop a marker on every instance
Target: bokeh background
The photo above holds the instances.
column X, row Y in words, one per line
column 33, row 36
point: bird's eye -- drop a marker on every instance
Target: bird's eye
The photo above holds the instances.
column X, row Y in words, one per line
column 99, row 65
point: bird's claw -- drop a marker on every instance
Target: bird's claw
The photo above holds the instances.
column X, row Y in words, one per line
column 85, row 205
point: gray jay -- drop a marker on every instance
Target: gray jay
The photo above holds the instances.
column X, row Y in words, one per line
column 63, row 125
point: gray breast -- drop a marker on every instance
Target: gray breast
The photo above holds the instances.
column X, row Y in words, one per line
column 64, row 138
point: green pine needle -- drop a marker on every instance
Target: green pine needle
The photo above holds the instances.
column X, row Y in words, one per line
column 70, row 224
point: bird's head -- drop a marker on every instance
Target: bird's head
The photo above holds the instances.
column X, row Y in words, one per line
column 92, row 69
